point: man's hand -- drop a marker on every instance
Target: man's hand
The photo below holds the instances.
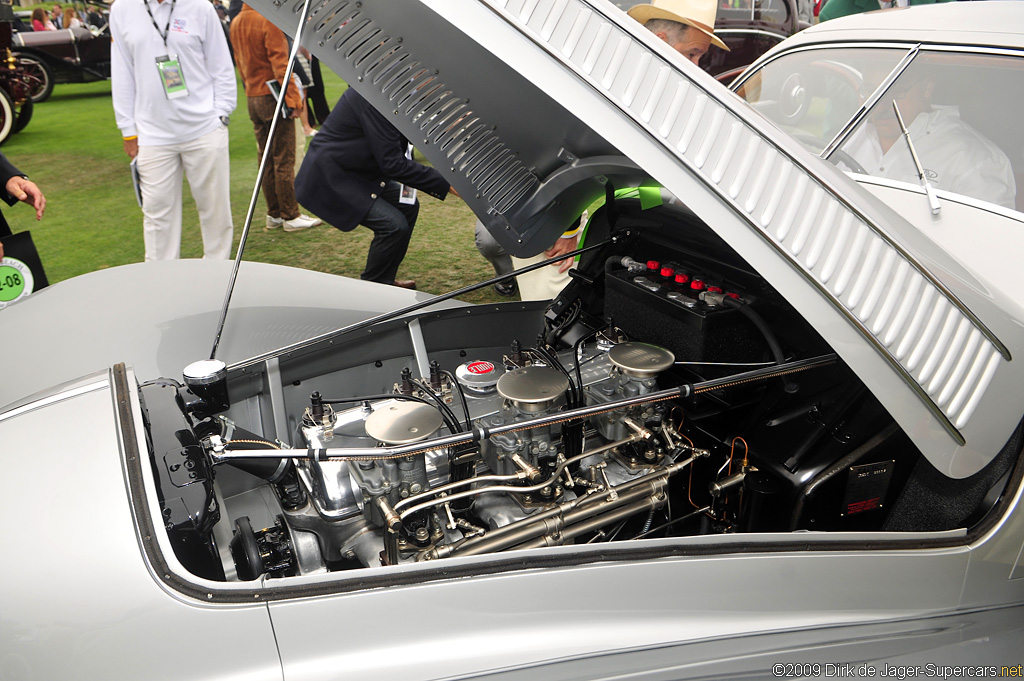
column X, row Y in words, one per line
column 26, row 190
column 451, row 190
column 131, row 147
column 562, row 246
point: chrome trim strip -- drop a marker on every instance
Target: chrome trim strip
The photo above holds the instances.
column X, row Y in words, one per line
column 861, row 44
column 944, row 194
column 749, row 31
column 53, row 399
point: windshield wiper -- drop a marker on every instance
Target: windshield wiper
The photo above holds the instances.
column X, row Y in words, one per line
column 933, row 200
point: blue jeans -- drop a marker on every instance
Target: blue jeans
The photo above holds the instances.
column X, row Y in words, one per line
column 392, row 223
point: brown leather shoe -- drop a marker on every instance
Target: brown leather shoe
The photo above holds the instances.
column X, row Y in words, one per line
column 404, row 283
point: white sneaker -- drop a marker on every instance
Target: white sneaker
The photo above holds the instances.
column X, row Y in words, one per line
column 301, row 222
column 274, row 223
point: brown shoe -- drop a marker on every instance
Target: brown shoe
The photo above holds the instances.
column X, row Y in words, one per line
column 404, row 283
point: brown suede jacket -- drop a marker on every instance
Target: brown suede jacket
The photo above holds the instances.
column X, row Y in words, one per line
column 261, row 53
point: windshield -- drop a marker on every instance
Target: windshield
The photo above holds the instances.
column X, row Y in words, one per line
column 957, row 107
column 813, row 94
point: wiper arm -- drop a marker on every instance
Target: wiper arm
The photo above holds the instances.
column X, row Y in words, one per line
column 933, row 200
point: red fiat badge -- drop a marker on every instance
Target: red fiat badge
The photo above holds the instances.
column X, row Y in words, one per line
column 480, row 367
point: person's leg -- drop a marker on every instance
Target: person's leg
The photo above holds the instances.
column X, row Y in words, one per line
column 281, row 169
column 300, row 143
column 392, row 230
column 208, row 169
column 261, row 111
column 315, row 94
column 160, row 179
column 492, row 251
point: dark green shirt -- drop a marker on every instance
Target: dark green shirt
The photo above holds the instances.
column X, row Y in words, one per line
column 834, row 9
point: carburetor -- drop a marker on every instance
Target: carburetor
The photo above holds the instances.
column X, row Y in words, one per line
column 528, row 392
column 635, row 371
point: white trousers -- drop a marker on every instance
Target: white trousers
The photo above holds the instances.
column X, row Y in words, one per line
column 206, row 164
column 541, row 284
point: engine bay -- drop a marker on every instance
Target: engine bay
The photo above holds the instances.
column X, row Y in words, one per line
column 669, row 391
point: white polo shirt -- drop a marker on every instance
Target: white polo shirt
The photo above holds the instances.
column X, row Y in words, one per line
column 195, row 35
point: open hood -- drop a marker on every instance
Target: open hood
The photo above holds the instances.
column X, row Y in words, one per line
column 531, row 109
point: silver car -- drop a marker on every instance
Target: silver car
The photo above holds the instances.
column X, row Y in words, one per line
column 771, row 429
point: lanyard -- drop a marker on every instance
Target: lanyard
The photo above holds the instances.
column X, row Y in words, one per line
column 167, row 28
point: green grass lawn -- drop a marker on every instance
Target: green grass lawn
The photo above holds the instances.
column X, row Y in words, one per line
column 73, row 150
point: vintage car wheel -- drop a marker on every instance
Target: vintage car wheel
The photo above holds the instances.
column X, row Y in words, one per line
column 22, row 116
column 7, row 115
column 38, row 77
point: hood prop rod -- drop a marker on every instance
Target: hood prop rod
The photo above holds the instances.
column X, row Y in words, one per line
column 419, row 305
column 259, row 178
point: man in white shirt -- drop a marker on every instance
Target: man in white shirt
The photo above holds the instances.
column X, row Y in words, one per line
column 955, row 156
column 173, row 88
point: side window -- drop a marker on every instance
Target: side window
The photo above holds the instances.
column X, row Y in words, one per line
column 959, row 110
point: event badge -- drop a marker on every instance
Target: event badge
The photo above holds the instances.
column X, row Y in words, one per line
column 407, row 194
column 172, row 77
column 16, row 281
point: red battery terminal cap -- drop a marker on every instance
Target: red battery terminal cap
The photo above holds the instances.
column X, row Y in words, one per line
column 653, row 264
column 697, row 285
column 682, row 278
column 667, row 272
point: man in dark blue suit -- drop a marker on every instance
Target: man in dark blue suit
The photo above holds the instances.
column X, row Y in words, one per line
column 17, row 187
column 351, row 174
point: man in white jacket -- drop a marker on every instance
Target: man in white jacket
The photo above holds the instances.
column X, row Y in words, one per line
column 174, row 89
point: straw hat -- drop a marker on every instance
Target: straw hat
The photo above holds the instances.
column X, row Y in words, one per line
column 699, row 14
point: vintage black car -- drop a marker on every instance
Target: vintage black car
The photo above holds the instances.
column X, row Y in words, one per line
column 16, row 86
column 68, row 55
column 749, row 28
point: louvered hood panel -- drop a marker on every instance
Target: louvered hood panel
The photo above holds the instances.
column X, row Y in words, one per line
column 525, row 105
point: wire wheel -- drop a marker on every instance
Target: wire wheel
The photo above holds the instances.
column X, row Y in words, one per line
column 37, row 76
column 22, row 116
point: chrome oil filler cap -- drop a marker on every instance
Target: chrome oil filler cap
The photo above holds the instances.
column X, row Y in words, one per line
column 478, row 377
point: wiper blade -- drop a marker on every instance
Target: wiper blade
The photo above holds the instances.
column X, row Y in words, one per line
column 933, row 200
